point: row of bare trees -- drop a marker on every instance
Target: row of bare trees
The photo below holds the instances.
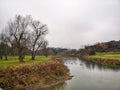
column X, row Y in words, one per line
column 24, row 32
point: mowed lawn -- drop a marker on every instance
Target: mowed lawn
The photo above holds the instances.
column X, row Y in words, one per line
column 108, row 55
column 13, row 61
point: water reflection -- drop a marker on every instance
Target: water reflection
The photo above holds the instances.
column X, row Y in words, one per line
column 89, row 76
column 69, row 60
column 90, row 65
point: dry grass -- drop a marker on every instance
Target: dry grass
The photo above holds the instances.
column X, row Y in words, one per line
column 28, row 76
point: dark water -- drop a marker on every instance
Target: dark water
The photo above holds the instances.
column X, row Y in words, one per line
column 89, row 76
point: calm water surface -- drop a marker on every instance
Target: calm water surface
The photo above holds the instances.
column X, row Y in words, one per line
column 89, row 76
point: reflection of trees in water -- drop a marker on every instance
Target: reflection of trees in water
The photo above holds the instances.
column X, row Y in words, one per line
column 92, row 65
column 69, row 60
column 88, row 64
column 83, row 63
column 60, row 86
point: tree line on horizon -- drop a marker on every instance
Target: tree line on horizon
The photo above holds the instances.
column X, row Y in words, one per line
column 110, row 46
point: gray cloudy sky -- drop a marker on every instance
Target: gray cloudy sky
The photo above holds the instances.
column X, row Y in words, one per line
column 71, row 23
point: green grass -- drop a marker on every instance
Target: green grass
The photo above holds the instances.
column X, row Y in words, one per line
column 13, row 61
column 107, row 55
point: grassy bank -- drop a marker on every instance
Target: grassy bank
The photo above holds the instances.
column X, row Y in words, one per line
column 33, row 76
column 107, row 58
column 13, row 61
column 107, row 55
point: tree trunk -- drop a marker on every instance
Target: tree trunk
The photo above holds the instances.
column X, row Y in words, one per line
column 21, row 58
column 21, row 55
column 6, row 52
column 1, row 52
column 6, row 57
column 33, row 55
column 1, row 57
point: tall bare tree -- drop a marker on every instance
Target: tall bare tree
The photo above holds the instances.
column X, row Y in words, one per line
column 3, row 46
column 18, row 34
column 23, row 33
column 37, row 40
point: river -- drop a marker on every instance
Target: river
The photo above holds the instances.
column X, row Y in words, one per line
column 89, row 76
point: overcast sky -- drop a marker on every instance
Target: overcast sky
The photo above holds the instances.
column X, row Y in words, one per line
column 71, row 23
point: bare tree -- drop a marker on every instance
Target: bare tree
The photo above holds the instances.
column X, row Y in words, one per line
column 1, row 48
column 19, row 34
column 3, row 45
column 23, row 33
column 39, row 30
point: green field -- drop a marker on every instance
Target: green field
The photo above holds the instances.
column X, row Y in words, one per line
column 108, row 55
column 13, row 61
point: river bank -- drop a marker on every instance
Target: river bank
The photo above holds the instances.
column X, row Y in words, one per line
column 105, row 58
column 89, row 76
column 101, row 60
column 32, row 77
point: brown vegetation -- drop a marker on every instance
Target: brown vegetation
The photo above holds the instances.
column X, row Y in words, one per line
column 103, row 61
column 28, row 77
